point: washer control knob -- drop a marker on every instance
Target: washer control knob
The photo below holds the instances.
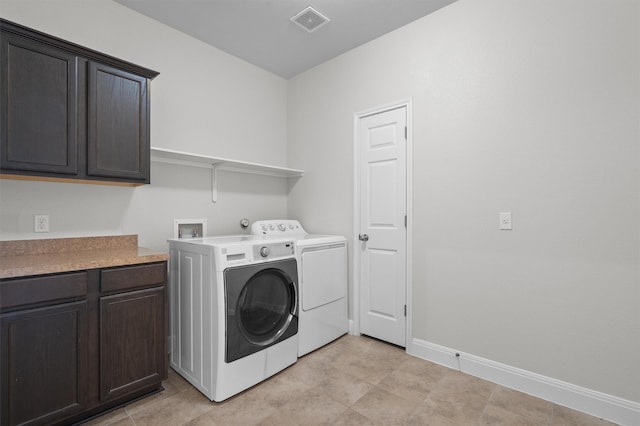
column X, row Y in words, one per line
column 263, row 227
column 282, row 227
column 264, row 251
column 272, row 227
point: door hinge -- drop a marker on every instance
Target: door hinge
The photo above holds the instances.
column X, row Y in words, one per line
column 405, row 133
column 405, row 310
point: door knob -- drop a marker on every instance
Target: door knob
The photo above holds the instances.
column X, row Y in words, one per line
column 363, row 237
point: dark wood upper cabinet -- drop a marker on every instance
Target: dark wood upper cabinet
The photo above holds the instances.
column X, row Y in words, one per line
column 118, row 129
column 39, row 107
column 68, row 112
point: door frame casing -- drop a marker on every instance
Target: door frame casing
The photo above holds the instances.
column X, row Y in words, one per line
column 355, row 248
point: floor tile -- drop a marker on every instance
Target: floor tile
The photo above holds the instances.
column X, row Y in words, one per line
column 440, row 409
column 169, row 389
column 309, row 370
column 109, row 418
column 175, row 410
column 384, row 406
column 245, row 409
column 563, row 416
column 532, row 408
column 203, row 420
column 382, row 349
column 127, row 421
column 343, row 387
column 460, row 388
column 367, row 369
column 352, row 344
column 311, row 407
column 344, row 351
column 407, row 385
column 177, row 381
column 352, row 418
column 496, row 416
column 418, row 366
column 278, row 390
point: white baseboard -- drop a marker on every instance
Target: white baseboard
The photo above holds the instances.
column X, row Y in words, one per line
column 353, row 328
column 588, row 401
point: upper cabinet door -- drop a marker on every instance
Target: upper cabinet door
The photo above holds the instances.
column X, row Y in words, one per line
column 118, row 124
column 38, row 107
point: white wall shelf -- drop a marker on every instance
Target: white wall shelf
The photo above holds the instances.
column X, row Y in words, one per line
column 170, row 156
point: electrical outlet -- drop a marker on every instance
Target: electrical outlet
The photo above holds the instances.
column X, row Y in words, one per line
column 505, row 221
column 41, row 223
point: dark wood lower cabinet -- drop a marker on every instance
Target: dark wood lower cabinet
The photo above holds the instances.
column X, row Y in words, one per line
column 44, row 364
column 132, row 350
column 75, row 344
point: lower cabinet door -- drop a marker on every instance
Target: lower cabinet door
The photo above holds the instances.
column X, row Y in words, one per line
column 132, row 341
column 43, row 364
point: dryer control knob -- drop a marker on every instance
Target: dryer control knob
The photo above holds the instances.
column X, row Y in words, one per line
column 264, row 251
column 282, row 227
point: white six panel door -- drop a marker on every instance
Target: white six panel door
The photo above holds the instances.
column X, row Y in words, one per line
column 383, row 200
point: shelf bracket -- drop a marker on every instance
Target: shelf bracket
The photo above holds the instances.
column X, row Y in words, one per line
column 214, row 182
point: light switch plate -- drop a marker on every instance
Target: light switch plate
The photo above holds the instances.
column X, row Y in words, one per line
column 505, row 221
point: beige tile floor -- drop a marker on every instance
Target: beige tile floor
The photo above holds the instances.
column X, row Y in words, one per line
column 352, row 381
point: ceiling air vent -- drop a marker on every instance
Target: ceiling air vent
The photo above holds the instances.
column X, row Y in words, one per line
column 310, row 19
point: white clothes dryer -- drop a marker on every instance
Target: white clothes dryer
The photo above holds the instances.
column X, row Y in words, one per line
column 233, row 310
column 323, row 281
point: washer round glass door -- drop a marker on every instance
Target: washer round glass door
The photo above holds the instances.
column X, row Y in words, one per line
column 265, row 306
column 261, row 305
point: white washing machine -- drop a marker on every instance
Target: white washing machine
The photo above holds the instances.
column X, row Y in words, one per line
column 233, row 311
column 323, row 281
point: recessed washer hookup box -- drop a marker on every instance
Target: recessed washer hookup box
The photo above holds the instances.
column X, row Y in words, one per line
column 189, row 228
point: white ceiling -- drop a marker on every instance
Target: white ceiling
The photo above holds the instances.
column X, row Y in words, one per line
column 260, row 32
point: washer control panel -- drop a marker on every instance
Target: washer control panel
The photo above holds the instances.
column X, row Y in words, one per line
column 269, row 250
column 282, row 227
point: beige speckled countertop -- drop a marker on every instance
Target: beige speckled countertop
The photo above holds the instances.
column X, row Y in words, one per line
column 22, row 258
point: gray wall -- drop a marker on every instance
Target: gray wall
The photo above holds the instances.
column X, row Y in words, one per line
column 525, row 106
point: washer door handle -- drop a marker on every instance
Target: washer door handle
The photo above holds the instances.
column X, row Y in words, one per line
column 363, row 237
